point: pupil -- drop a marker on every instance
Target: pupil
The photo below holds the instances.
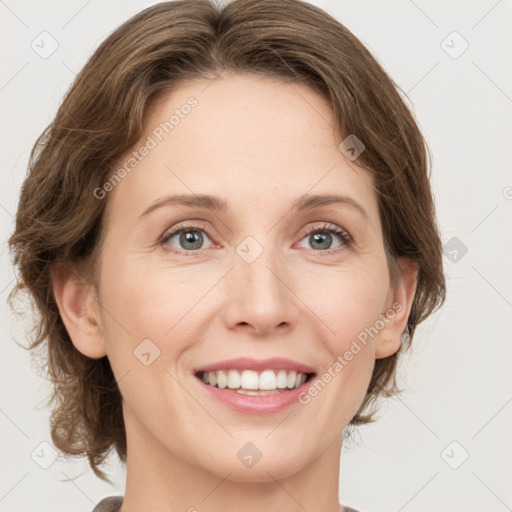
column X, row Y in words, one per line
column 321, row 238
column 191, row 237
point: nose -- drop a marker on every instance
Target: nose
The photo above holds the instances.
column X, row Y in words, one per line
column 260, row 295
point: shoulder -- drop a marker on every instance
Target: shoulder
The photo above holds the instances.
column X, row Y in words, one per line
column 109, row 504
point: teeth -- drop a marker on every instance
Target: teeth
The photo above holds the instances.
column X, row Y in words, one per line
column 233, row 379
column 258, row 392
column 267, row 380
column 249, row 379
column 281, row 379
column 222, row 379
column 250, row 382
column 301, row 378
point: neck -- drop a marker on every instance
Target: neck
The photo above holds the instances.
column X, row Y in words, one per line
column 157, row 479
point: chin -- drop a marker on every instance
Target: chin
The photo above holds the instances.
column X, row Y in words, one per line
column 278, row 465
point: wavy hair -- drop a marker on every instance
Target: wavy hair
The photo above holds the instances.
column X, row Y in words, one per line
column 59, row 220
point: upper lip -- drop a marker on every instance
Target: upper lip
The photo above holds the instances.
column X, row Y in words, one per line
column 247, row 363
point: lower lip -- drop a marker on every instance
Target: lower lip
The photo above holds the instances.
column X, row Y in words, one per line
column 255, row 404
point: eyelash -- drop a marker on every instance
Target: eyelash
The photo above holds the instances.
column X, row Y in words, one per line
column 318, row 228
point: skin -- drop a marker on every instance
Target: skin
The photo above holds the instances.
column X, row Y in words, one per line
column 259, row 144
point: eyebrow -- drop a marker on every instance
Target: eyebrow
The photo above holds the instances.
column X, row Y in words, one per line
column 303, row 203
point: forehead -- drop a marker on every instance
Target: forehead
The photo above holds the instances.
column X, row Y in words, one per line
column 257, row 142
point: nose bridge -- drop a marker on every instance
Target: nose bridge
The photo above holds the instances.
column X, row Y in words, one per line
column 258, row 287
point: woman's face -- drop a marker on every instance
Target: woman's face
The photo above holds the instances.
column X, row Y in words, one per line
column 248, row 280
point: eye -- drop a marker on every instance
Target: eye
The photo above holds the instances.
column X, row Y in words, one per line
column 188, row 239
column 321, row 238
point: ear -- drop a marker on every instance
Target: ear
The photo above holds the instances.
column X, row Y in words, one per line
column 80, row 311
column 399, row 305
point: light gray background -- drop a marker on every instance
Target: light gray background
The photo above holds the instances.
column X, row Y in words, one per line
column 458, row 375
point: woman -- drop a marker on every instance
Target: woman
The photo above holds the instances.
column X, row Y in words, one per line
column 229, row 234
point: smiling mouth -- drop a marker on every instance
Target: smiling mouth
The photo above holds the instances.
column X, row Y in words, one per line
column 251, row 382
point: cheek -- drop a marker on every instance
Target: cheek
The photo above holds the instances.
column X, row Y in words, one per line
column 347, row 301
column 144, row 303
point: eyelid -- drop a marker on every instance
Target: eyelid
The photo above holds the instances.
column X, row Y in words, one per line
column 327, row 226
column 346, row 237
column 182, row 226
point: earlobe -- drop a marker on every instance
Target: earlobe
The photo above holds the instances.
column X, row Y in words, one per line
column 400, row 302
column 80, row 312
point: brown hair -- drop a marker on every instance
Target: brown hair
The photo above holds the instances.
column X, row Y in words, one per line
column 60, row 220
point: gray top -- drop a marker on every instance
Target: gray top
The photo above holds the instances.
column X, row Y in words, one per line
column 110, row 504
column 113, row 503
